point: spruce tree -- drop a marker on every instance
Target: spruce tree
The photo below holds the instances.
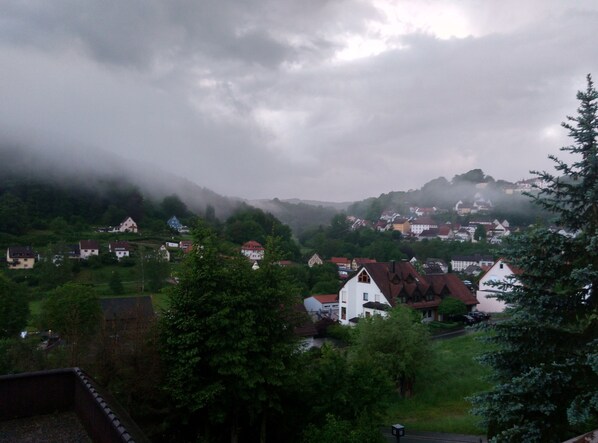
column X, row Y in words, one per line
column 545, row 356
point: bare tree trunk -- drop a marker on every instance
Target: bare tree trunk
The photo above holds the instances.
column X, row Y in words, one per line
column 263, row 428
column 234, row 430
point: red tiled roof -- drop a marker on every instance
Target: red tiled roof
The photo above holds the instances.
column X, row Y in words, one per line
column 444, row 230
column 326, row 298
column 339, row 260
column 252, row 245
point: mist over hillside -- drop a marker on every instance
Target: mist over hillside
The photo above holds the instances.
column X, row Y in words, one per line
column 95, row 170
column 444, row 194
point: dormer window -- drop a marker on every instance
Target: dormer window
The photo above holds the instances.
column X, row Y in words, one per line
column 363, row 277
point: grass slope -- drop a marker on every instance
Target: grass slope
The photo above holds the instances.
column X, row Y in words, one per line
column 439, row 403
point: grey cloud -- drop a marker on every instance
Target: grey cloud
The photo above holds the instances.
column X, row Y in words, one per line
column 246, row 99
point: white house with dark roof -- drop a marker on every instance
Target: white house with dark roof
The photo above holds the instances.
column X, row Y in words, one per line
column 20, row 257
column 120, row 249
column 500, row 272
column 460, row 263
column 88, row 248
column 377, row 287
column 422, row 224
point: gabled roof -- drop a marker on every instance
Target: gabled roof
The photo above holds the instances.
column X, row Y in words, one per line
column 252, row 245
column 400, row 279
column 455, row 287
column 513, row 269
column 89, row 244
column 119, row 246
column 20, row 252
column 396, row 279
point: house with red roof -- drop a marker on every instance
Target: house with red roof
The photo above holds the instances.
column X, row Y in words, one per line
column 377, row 287
column 359, row 261
column 322, row 306
column 501, row 272
column 253, row 250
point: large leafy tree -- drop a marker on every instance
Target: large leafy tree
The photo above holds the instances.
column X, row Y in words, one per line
column 399, row 343
column 228, row 338
column 14, row 308
column 72, row 310
column 546, row 355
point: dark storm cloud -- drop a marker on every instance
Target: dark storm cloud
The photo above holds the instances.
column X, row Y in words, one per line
column 251, row 97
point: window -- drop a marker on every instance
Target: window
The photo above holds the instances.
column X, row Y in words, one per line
column 368, row 314
column 365, row 296
column 344, row 297
column 363, row 277
column 501, row 265
column 343, row 313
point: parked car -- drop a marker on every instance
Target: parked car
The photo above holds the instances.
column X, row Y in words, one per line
column 466, row 319
column 479, row 315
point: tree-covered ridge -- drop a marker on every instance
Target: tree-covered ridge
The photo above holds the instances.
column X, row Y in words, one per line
column 444, row 194
column 27, row 204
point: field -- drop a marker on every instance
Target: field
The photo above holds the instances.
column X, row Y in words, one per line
column 439, row 403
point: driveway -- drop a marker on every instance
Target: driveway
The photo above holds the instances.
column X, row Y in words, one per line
column 433, row 437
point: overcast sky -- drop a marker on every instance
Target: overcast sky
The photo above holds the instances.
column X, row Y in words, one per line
column 319, row 99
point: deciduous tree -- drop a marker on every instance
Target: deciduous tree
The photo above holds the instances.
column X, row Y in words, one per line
column 72, row 310
column 14, row 308
column 399, row 342
column 227, row 337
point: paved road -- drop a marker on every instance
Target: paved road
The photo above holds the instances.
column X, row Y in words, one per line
column 433, row 437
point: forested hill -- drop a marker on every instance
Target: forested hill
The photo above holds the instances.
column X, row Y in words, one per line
column 444, row 194
column 101, row 175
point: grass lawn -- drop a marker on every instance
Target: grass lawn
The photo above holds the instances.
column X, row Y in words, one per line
column 439, row 402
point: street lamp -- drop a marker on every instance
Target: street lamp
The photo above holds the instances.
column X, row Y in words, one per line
column 398, row 431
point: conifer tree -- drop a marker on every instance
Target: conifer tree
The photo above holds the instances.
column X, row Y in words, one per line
column 545, row 357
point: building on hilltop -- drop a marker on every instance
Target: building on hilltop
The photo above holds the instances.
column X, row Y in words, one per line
column 253, row 250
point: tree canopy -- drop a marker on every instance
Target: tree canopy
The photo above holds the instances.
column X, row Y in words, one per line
column 14, row 308
column 545, row 356
column 228, row 337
